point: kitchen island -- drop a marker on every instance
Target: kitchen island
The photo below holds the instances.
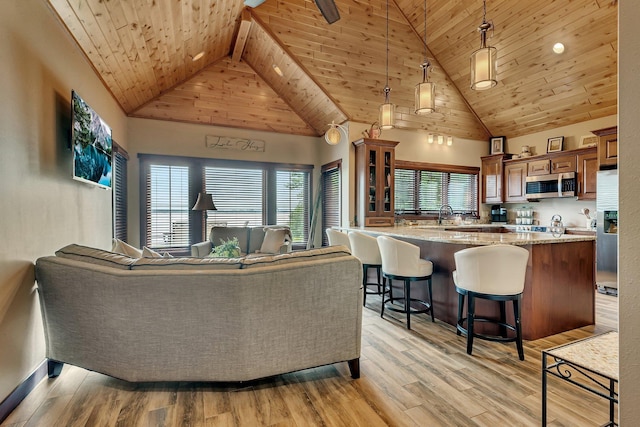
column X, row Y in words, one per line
column 559, row 291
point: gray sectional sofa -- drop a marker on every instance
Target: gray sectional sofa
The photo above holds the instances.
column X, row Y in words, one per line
column 192, row 319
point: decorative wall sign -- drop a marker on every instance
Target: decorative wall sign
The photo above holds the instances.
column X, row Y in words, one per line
column 231, row 143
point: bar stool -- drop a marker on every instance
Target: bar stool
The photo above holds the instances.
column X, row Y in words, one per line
column 337, row 238
column 365, row 248
column 496, row 273
column 401, row 261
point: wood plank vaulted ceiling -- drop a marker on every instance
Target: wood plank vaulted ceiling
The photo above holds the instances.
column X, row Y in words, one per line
column 142, row 51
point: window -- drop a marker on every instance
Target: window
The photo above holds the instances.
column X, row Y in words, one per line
column 244, row 193
column 292, row 201
column 120, row 158
column 331, row 212
column 238, row 195
column 167, row 207
column 422, row 188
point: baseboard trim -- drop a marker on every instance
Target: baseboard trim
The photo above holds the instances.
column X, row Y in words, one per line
column 13, row 400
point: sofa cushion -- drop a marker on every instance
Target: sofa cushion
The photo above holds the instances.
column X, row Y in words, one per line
column 121, row 247
column 96, row 256
column 187, row 264
column 296, row 256
column 274, row 238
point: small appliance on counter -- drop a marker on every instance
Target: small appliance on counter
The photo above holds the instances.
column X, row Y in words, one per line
column 556, row 227
column 498, row 214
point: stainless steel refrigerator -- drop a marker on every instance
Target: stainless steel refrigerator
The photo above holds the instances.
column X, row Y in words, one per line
column 607, row 232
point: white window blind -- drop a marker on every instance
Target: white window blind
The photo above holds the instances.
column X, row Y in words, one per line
column 292, row 203
column 167, row 207
column 424, row 191
column 237, row 194
column 330, row 201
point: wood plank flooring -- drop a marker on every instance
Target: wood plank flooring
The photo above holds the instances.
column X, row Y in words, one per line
column 421, row 377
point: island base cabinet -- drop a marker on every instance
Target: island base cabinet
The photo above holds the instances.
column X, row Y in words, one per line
column 559, row 292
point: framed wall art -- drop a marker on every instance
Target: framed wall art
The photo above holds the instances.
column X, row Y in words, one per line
column 497, row 144
column 555, row 144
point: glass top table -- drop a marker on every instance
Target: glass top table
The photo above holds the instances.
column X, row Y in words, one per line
column 590, row 363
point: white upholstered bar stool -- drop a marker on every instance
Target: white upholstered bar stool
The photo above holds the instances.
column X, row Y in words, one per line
column 401, row 261
column 497, row 273
column 365, row 248
column 337, row 237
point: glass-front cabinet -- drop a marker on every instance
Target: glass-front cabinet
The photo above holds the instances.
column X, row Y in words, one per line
column 375, row 160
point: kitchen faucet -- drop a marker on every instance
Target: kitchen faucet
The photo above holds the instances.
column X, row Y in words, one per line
column 448, row 208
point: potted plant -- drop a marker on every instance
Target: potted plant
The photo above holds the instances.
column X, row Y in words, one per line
column 228, row 249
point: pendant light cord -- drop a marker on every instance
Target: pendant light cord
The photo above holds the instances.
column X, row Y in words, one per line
column 387, row 67
column 425, row 31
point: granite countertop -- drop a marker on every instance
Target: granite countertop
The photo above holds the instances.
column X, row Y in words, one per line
column 437, row 233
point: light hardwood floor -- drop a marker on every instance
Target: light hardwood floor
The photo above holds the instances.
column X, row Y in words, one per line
column 421, row 377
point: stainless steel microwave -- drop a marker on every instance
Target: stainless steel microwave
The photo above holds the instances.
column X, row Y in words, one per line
column 553, row 185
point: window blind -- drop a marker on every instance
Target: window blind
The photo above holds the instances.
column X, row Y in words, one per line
column 292, row 203
column 238, row 195
column 425, row 191
column 120, row 196
column 167, row 207
column 331, row 190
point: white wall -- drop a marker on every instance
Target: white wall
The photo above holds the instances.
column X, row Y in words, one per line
column 41, row 207
column 629, row 176
column 183, row 139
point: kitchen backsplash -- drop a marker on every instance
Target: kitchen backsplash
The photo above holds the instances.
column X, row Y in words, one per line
column 569, row 209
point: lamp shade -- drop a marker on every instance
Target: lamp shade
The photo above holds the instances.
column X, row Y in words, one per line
column 387, row 115
column 484, row 68
column 204, row 203
column 333, row 135
column 425, row 97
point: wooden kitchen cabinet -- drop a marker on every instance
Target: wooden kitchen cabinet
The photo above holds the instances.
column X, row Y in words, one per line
column 607, row 147
column 539, row 167
column 515, row 181
column 492, row 177
column 375, row 166
column 563, row 164
column 587, row 174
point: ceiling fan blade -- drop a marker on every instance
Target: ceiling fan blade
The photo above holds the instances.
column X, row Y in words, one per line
column 328, row 9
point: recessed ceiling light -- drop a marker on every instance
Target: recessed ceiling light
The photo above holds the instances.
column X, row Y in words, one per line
column 558, row 48
column 197, row 56
column 277, row 70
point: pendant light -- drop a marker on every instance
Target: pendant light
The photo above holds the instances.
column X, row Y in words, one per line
column 425, row 100
column 483, row 61
column 387, row 110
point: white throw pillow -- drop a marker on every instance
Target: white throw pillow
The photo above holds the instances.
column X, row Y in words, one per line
column 124, row 248
column 273, row 239
column 149, row 253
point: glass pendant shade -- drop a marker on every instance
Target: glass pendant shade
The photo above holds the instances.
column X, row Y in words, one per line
column 387, row 115
column 425, row 97
column 484, row 68
column 333, row 136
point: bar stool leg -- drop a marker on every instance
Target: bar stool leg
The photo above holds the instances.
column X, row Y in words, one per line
column 433, row 319
column 460, row 305
column 383, row 300
column 378, row 269
column 471, row 314
column 365, row 273
column 407, row 301
column 503, row 319
column 516, row 314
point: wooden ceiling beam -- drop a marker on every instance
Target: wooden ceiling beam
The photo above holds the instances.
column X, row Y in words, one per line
column 243, row 33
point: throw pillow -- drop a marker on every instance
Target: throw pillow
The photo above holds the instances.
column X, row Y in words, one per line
column 150, row 253
column 120, row 247
column 273, row 239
